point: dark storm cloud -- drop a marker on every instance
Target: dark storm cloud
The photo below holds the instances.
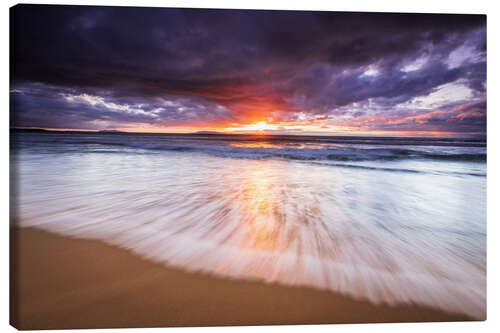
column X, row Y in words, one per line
column 345, row 88
column 38, row 105
column 245, row 62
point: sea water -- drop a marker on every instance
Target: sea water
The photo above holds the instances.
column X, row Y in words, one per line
column 388, row 220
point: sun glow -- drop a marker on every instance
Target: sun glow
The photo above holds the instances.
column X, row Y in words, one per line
column 260, row 126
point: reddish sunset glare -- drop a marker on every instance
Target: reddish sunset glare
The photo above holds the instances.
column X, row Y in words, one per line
column 237, row 71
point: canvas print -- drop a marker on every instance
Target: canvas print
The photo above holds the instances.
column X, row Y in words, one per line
column 204, row 167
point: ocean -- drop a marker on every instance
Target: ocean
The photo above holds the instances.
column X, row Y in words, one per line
column 388, row 220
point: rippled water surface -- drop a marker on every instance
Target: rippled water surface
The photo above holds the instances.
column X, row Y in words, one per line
column 392, row 221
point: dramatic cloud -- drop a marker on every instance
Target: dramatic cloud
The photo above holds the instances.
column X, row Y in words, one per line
column 115, row 67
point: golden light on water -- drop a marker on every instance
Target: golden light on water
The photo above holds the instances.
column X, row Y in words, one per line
column 258, row 201
column 279, row 220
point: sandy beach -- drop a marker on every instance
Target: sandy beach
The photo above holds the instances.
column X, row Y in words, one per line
column 59, row 282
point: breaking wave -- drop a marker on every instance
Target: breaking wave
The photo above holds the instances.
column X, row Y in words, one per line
column 284, row 148
column 387, row 224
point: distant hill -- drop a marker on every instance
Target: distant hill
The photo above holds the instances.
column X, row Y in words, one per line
column 28, row 129
column 206, row 132
column 23, row 129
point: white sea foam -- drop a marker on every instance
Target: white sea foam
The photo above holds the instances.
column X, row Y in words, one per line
column 383, row 236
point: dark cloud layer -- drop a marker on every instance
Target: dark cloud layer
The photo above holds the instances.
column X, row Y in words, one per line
column 170, row 66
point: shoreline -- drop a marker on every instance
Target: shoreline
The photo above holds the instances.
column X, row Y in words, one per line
column 61, row 282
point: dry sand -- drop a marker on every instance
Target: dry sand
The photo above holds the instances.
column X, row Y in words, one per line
column 59, row 282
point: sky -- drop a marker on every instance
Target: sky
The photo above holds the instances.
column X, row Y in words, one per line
column 247, row 71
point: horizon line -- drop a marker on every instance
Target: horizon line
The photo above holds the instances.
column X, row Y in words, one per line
column 421, row 134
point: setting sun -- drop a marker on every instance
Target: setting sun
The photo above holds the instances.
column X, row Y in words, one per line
column 259, row 126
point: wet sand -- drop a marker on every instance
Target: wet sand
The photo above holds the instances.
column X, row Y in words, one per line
column 60, row 282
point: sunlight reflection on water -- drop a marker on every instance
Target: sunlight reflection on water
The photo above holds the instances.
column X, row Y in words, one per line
column 389, row 237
